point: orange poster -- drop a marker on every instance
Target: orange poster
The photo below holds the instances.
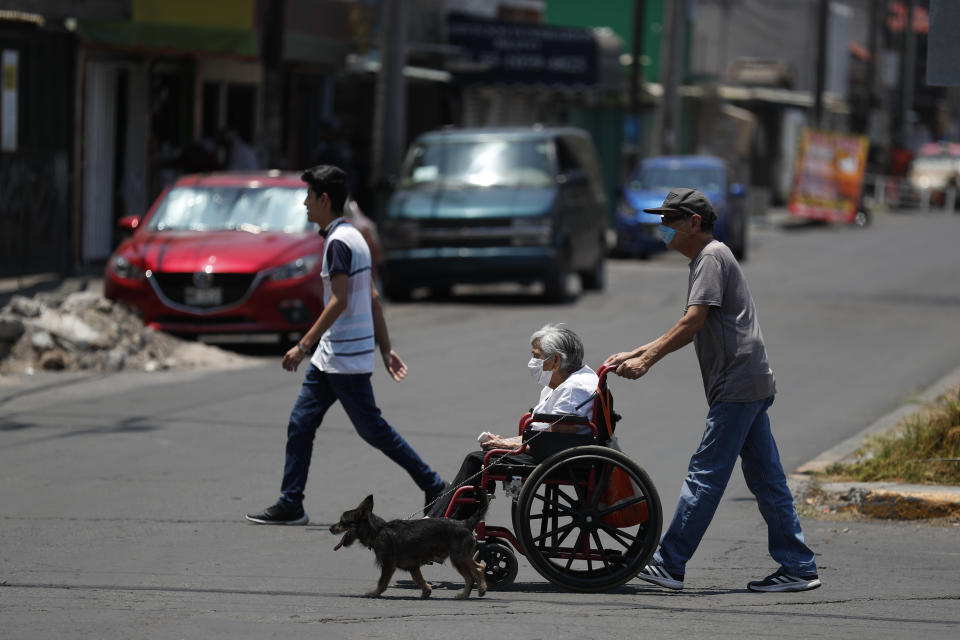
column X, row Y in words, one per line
column 828, row 176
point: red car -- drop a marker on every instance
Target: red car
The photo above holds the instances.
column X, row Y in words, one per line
column 226, row 253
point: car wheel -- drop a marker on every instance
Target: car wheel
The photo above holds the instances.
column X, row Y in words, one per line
column 396, row 292
column 861, row 218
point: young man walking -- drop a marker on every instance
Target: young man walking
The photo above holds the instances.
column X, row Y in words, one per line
column 721, row 321
column 343, row 342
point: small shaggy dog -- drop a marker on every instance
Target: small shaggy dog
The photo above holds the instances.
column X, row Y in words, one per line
column 410, row 544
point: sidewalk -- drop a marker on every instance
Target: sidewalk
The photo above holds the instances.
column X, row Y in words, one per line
column 880, row 499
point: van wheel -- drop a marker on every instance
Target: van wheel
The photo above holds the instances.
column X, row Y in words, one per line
column 595, row 279
column 555, row 283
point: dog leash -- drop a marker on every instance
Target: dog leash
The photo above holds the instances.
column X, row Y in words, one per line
column 452, row 489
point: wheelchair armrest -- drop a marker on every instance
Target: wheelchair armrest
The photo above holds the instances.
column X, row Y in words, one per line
column 561, row 418
column 502, row 452
column 566, row 418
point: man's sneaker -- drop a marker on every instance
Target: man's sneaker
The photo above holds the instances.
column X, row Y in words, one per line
column 280, row 513
column 430, row 496
column 783, row 581
column 655, row 573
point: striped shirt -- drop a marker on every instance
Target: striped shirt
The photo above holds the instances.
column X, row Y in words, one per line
column 348, row 346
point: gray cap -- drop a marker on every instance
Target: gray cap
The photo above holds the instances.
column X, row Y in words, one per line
column 689, row 201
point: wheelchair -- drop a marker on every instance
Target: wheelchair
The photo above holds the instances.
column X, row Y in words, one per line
column 569, row 519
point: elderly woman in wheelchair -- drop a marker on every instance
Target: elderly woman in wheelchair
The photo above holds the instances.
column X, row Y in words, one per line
column 585, row 515
column 568, row 388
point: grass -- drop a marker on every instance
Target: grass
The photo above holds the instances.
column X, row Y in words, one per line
column 923, row 449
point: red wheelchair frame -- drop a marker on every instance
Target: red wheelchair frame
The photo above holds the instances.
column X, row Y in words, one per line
column 565, row 492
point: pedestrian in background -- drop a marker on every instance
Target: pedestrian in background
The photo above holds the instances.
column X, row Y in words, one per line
column 343, row 342
column 721, row 320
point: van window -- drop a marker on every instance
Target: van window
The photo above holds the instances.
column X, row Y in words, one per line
column 478, row 163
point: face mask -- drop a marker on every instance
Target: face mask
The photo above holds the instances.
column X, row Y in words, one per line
column 535, row 367
column 667, row 234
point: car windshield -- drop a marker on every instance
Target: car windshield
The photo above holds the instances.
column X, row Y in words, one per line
column 252, row 209
column 666, row 178
column 480, row 163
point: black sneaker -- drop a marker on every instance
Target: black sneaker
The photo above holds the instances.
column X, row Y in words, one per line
column 783, row 581
column 280, row 513
column 655, row 573
column 431, row 495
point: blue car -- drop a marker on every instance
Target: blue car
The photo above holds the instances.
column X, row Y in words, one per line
column 650, row 183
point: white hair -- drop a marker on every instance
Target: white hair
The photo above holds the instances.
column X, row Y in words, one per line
column 556, row 339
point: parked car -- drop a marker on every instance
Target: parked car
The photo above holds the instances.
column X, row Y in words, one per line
column 496, row 205
column 225, row 253
column 650, row 183
column 935, row 168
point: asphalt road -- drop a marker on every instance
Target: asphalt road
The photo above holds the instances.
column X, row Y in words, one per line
column 122, row 496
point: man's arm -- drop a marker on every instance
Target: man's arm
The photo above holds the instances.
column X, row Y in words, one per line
column 680, row 335
column 395, row 366
column 339, row 288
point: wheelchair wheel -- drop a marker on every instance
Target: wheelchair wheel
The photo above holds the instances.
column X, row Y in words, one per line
column 501, row 563
column 571, row 535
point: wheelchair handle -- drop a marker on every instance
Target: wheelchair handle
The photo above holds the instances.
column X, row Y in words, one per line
column 603, row 371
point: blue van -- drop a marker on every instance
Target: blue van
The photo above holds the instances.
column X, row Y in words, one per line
column 650, row 183
column 496, row 205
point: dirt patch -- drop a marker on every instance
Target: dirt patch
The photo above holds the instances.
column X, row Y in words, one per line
column 83, row 331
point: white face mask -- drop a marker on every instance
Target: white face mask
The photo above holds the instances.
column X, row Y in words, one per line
column 535, row 367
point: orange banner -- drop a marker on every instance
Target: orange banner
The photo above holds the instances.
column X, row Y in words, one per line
column 828, row 176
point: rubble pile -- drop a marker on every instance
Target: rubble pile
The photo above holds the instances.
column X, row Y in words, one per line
column 82, row 330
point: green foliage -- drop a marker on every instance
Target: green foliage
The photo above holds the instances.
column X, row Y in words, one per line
column 923, row 449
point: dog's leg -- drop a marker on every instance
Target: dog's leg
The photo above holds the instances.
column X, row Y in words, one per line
column 385, row 574
column 466, row 569
column 481, row 578
column 423, row 584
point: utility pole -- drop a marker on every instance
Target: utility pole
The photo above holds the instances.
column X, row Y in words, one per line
column 272, row 23
column 636, row 76
column 908, row 64
column 675, row 33
column 823, row 10
column 390, row 111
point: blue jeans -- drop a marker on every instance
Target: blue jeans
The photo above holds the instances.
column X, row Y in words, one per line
column 736, row 428
column 320, row 390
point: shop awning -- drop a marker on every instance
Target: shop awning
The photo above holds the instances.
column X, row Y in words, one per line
column 170, row 39
column 173, row 39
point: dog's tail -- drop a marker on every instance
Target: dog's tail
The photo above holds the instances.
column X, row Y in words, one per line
column 472, row 522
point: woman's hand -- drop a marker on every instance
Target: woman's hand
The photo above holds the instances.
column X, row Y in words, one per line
column 499, row 442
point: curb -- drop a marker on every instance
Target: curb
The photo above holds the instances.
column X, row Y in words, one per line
column 882, row 499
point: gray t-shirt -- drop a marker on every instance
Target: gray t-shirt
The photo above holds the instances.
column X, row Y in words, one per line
column 733, row 360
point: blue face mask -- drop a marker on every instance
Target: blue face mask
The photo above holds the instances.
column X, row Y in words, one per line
column 667, row 234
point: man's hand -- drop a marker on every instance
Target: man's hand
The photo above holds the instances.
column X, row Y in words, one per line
column 395, row 366
column 292, row 359
column 632, row 368
column 616, row 359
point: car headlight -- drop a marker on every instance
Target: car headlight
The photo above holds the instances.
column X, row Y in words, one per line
column 295, row 268
column 124, row 269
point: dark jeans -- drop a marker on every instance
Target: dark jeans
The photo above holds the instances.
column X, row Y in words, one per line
column 320, row 390
column 736, row 429
column 471, row 466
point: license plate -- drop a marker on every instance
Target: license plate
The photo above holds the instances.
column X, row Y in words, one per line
column 203, row 297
